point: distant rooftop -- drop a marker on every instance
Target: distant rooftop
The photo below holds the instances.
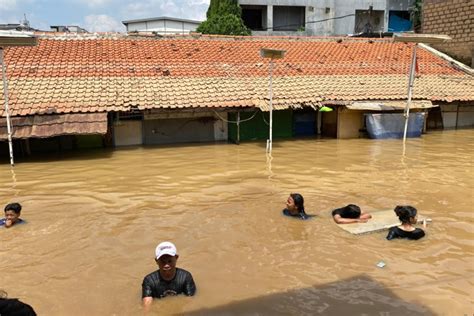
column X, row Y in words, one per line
column 159, row 19
column 16, row 27
column 67, row 28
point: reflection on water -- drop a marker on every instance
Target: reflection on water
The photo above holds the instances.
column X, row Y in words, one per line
column 96, row 217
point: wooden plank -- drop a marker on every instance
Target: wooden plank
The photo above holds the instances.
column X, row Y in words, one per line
column 380, row 221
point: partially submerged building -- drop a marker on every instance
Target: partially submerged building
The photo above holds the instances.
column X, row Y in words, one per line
column 75, row 91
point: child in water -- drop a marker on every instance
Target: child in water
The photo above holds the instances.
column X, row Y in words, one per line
column 295, row 207
column 12, row 215
column 350, row 214
column 407, row 215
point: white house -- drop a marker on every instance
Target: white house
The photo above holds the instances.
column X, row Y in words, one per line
column 162, row 25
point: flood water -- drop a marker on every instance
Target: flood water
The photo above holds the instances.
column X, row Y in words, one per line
column 95, row 218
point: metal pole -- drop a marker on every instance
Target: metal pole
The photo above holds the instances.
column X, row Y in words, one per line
column 7, row 112
column 411, row 80
column 270, row 89
column 238, row 127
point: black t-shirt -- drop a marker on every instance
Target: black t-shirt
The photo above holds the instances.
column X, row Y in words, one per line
column 396, row 232
column 301, row 215
column 344, row 213
column 155, row 286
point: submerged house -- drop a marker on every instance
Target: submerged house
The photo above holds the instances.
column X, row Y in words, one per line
column 89, row 90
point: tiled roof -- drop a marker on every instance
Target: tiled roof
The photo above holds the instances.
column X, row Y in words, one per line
column 83, row 74
column 41, row 126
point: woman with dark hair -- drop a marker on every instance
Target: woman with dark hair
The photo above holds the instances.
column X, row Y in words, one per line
column 350, row 214
column 295, row 207
column 407, row 215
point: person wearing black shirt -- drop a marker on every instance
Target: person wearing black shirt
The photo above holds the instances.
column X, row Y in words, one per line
column 350, row 214
column 295, row 207
column 168, row 280
column 407, row 215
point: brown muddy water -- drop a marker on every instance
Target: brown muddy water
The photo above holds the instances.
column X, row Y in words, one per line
column 94, row 219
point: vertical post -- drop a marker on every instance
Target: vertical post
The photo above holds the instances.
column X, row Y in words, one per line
column 411, row 79
column 238, row 127
column 270, row 92
column 457, row 115
column 7, row 112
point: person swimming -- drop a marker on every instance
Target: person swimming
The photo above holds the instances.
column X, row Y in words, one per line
column 295, row 207
column 350, row 213
column 407, row 215
column 12, row 215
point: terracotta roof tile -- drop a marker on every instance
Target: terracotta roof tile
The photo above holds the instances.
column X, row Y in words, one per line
column 103, row 74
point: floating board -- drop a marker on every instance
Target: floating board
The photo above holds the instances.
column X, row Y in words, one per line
column 381, row 220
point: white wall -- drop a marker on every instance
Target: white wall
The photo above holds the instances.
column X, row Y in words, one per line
column 163, row 27
column 136, row 26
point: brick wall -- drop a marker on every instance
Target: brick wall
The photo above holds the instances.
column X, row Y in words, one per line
column 456, row 19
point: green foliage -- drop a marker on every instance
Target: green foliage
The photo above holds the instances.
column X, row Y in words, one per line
column 221, row 7
column 228, row 24
column 416, row 14
column 224, row 17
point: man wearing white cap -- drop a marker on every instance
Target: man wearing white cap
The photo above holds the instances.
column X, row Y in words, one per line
column 167, row 280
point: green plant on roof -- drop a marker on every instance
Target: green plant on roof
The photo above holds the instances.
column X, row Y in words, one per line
column 224, row 17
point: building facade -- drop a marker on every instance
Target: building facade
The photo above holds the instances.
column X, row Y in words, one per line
column 162, row 25
column 327, row 17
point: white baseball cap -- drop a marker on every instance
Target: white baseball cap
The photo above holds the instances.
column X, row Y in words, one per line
column 165, row 248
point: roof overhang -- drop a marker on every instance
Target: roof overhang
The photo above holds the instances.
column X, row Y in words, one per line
column 43, row 126
column 421, row 38
column 389, row 105
column 16, row 38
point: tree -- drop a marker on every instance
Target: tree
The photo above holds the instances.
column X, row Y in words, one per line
column 224, row 17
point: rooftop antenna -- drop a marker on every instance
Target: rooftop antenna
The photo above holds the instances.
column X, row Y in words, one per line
column 25, row 21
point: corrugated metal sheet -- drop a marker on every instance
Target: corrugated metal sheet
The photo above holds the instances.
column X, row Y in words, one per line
column 42, row 126
column 389, row 105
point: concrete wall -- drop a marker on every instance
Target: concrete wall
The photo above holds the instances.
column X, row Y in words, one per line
column 127, row 133
column 454, row 117
column 349, row 123
column 325, row 9
column 329, row 123
column 454, row 18
column 166, row 128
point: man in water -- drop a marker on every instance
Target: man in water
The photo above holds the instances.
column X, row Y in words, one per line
column 167, row 280
column 12, row 215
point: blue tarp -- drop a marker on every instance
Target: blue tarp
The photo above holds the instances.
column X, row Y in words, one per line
column 391, row 125
column 397, row 23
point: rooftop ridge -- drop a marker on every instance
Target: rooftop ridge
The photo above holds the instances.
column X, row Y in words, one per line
column 199, row 36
